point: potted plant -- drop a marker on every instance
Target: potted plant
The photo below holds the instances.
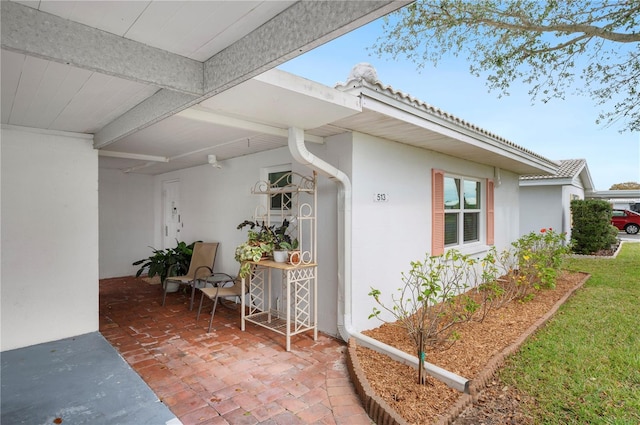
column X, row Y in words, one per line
column 167, row 262
column 264, row 241
column 286, row 250
column 259, row 244
column 283, row 243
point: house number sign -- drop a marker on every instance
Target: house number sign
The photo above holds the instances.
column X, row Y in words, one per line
column 380, row 197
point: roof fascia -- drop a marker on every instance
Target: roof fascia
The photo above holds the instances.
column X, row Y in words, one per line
column 587, row 181
column 384, row 104
column 312, row 89
column 612, row 194
column 547, row 182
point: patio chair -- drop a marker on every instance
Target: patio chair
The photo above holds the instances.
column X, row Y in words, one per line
column 219, row 290
column 200, row 267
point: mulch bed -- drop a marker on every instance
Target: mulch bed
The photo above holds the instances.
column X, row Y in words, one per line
column 479, row 345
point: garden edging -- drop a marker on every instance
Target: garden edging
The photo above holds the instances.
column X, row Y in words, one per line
column 383, row 414
column 606, row 257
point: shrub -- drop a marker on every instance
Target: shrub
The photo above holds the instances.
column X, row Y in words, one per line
column 435, row 296
column 592, row 229
column 540, row 256
column 532, row 263
column 427, row 306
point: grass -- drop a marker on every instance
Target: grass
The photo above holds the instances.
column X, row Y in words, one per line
column 584, row 366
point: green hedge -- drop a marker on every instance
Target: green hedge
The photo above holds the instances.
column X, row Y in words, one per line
column 592, row 229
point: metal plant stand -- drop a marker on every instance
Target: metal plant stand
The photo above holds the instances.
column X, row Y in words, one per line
column 295, row 310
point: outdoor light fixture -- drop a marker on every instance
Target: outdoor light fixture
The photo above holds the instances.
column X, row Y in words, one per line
column 213, row 161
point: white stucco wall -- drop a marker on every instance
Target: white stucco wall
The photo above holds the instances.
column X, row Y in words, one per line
column 49, row 282
column 214, row 201
column 540, row 207
column 126, row 221
column 568, row 192
column 387, row 236
column 507, row 209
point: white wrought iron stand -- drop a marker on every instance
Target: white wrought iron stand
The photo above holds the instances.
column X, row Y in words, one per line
column 297, row 200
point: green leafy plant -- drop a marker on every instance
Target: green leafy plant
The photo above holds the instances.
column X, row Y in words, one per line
column 432, row 300
column 261, row 241
column 532, row 263
column 289, row 246
column 540, row 256
column 167, row 262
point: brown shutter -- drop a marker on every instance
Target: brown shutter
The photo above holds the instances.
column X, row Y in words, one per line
column 437, row 212
column 490, row 213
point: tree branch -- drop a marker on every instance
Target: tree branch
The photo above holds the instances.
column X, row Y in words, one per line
column 587, row 30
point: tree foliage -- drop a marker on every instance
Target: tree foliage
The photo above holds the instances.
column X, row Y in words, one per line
column 625, row 186
column 592, row 230
column 589, row 47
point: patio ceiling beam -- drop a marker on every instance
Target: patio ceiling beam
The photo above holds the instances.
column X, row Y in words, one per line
column 31, row 32
column 127, row 155
column 205, row 115
column 298, row 29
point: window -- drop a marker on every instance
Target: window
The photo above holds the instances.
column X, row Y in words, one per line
column 280, row 201
column 462, row 211
column 458, row 211
column 276, row 176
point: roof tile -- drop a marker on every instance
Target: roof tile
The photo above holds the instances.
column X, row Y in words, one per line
column 364, row 76
column 569, row 169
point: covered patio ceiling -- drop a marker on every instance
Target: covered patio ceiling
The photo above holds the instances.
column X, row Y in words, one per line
column 121, row 71
column 251, row 117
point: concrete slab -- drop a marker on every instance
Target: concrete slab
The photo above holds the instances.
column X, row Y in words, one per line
column 80, row 380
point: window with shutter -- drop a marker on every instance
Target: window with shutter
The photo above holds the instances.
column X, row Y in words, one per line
column 458, row 211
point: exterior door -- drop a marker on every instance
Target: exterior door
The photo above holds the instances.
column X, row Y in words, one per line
column 171, row 213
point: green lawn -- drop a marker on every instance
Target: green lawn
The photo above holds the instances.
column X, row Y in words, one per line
column 584, row 366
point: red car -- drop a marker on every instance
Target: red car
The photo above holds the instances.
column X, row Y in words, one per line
column 626, row 220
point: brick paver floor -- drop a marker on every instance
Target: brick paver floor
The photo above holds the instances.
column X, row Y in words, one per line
column 226, row 376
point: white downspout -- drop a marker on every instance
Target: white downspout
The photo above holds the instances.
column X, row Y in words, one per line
column 345, row 325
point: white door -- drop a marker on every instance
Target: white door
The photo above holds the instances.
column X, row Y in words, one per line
column 171, row 212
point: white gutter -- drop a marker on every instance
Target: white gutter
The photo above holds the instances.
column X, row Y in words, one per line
column 345, row 325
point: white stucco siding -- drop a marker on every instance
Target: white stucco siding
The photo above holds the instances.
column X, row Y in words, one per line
column 126, row 221
column 569, row 193
column 387, row 236
column 328, row 217
column 49, row 236
column 507, row 209
column 540, row 207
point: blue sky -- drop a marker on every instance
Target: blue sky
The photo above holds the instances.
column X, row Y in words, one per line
column 559, row 129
